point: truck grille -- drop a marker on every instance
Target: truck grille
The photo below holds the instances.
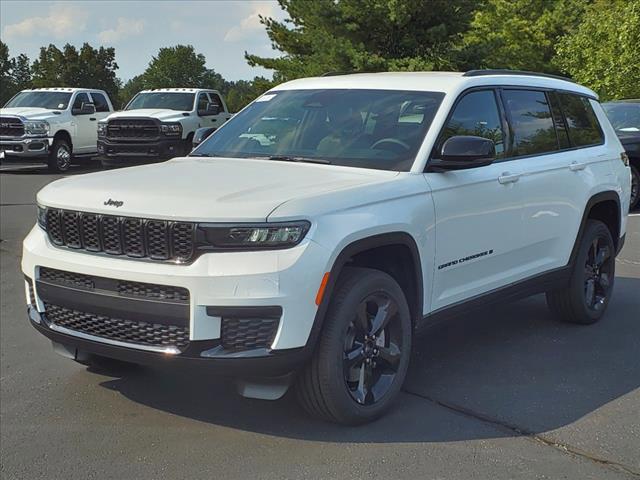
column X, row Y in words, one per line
column 137, row 128
column 126, row 236
column 11, row 127
column 141, row 333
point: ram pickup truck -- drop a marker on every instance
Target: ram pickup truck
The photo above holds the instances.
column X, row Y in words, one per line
column 52, row 125
column 159, row 124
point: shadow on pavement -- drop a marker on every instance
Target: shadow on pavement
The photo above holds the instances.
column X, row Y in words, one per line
column 513, row 363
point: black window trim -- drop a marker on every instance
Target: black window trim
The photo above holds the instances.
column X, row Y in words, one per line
column 507, row 126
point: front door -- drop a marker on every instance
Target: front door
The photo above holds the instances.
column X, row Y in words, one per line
column 86, row 136
column 478, row 211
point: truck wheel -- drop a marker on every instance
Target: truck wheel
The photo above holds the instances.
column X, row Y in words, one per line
column 59, row 156
column 363, row 353
column 635, row 188
column 588, row 293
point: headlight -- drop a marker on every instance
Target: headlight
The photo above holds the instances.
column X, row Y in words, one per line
column 258, row 236
column 171, row 129
column 42, row 217
column 102, row 129
column 33, row 127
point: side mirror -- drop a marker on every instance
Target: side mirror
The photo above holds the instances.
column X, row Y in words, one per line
column 212, row 109
column 464, row 151
column 85, row 109
column 201, row 135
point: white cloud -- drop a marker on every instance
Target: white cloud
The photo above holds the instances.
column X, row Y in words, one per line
column 250, row 25
column 63, row 20
column 125, row 27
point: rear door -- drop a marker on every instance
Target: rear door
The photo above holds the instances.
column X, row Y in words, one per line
column 478, row 230
column 560, row 148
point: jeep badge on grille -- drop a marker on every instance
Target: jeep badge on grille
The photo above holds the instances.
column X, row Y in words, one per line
column 113, row 203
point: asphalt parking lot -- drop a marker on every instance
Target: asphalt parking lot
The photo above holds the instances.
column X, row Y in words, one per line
column 505, row 393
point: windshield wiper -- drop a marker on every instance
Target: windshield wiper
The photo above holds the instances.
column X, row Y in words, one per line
column 290, row 158
column 202, row 155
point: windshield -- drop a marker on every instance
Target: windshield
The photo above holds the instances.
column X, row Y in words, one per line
column 48, row 100
column 164, row 100
column 624, row 116
column 381, row 129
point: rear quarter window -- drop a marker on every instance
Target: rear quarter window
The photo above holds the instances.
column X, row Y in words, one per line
column 582, row 123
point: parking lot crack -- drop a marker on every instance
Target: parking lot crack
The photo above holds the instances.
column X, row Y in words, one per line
column 528, row 434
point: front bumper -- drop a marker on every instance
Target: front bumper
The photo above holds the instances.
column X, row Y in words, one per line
column 288, row 279
column 199, row 355
column 25, row 147
column 161, row 148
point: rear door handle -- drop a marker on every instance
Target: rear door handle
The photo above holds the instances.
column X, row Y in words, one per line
column 576, row 166
column 92, row 119
column 508, row 177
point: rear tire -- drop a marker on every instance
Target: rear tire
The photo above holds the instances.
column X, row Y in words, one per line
column 584, row 301
column 362, row 356
column 59, row 159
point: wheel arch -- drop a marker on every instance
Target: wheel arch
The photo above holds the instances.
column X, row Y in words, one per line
column 365, row 252
column 605, row 207
column 64, row 135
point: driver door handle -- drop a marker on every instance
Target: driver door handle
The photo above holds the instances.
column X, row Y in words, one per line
column 92, row 119
column 577, row 166
column 508, row 177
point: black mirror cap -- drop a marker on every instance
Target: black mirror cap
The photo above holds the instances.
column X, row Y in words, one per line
column 85, row 109
column 201, row 135
column 464, row 151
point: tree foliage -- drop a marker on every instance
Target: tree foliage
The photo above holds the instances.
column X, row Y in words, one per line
column 15, row 74
column 604, row 51
column 365, row 35
column 520, row 34
column 88, row 67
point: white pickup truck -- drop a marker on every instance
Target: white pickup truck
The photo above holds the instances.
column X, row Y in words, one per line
column 159, row 124
column 54, row 125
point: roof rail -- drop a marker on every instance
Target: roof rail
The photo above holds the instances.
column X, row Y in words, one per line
column 482, row 73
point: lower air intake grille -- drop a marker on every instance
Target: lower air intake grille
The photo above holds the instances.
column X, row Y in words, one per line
column 141, row 333
column 248, row 333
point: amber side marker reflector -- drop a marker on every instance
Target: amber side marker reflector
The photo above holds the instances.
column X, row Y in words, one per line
column 323, row 285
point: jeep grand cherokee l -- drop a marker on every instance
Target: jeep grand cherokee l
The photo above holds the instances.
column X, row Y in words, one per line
column 311, row 238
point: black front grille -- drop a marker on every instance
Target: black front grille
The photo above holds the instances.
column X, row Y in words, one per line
column 11, row 127
column 140, row 333
column 133, row 237
column 124, row 288
column 248, row 333
column 134, row 128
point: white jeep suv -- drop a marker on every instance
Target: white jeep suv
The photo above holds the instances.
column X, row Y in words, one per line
column 53, row 125
column 318, row 231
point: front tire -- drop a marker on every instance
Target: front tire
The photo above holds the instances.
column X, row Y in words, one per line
column 585, row 299
column 59, row 159
column 635, row 188
column 362, row 356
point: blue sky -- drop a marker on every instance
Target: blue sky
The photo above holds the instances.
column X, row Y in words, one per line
column 221, row 30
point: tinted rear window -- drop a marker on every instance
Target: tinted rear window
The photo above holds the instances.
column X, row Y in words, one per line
column 100, row 102
column 531, row 121
column 582, row 123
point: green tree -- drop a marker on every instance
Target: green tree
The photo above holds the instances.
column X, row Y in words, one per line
column 604, row 51
column 88, row 67
column 365, row 35
column 15, row 74
column 180, row 66
column 129, row 89
column 519, row 34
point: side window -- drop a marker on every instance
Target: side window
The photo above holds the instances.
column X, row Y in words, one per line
column 583, row 125
column 203, row 100
column 215, row 99
column 80, row 99
column 100, row 102
column 476, row 114
column 531, row 121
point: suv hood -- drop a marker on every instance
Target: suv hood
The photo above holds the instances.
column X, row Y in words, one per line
column 203, row 189
column 29, row 113
column 157, row 113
